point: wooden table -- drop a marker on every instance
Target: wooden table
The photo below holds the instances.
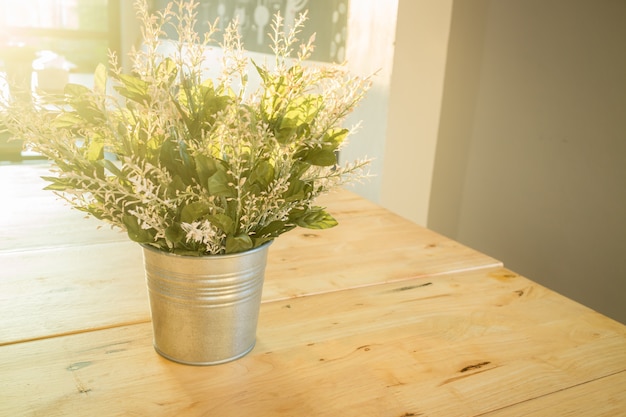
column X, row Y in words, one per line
column 376, row 317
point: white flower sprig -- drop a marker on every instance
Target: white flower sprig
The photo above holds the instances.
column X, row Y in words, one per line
column 195, row 165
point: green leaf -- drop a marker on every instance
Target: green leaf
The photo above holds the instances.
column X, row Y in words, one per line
column 167, row 155
column 324, row 155
column 184, row 154
column 75, row 90
column 299, row 114
column 320, row 157
column 205, row 167
column 134, row 230
column 67, row 121
column 175, row 234
column 273, row 98
column 211, row 104
column 262, row 174
column 262, row 72
column 222, row 221
column 313, row 218
column 174, row 156
column 298, row 169
column 112, row 168
column 84, row 103
column 284, row 134
column 194, row 211
column 177, row 184
column 258, row 241
column 95, row 151
column 100, row 79
column 168, row 67
column 56, row 184
column 219, row 185
column 133, row 88
column 273, row 229
column 302, row 110
column 295, row 191
column 335, row 137
column 238, row 243
column 89, row 111
column 322, row 220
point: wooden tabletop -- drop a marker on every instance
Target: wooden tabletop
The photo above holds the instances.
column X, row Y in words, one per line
column 376, row 317
column 82, row 275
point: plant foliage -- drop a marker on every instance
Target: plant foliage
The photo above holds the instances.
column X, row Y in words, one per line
column 191, row 164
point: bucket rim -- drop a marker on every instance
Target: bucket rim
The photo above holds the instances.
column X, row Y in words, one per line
column 260, row 248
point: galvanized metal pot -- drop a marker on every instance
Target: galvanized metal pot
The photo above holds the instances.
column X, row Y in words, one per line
column 205, row 309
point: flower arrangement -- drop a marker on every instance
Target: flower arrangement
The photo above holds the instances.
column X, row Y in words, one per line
column 194, row 165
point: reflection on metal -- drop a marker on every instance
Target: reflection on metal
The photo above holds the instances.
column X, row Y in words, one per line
column 205, row 309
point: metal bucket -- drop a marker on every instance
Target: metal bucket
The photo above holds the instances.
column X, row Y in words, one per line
column 204, row 309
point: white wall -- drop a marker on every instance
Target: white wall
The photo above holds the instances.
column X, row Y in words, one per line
column 414, row 106
column 531, row 159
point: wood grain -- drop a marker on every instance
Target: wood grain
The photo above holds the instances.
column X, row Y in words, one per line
column 32, row 218
column 602, row 397
column 461, row 344
column 376, row 317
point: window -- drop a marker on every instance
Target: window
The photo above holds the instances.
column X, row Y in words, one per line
column 80, row 30
column 326, row 18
